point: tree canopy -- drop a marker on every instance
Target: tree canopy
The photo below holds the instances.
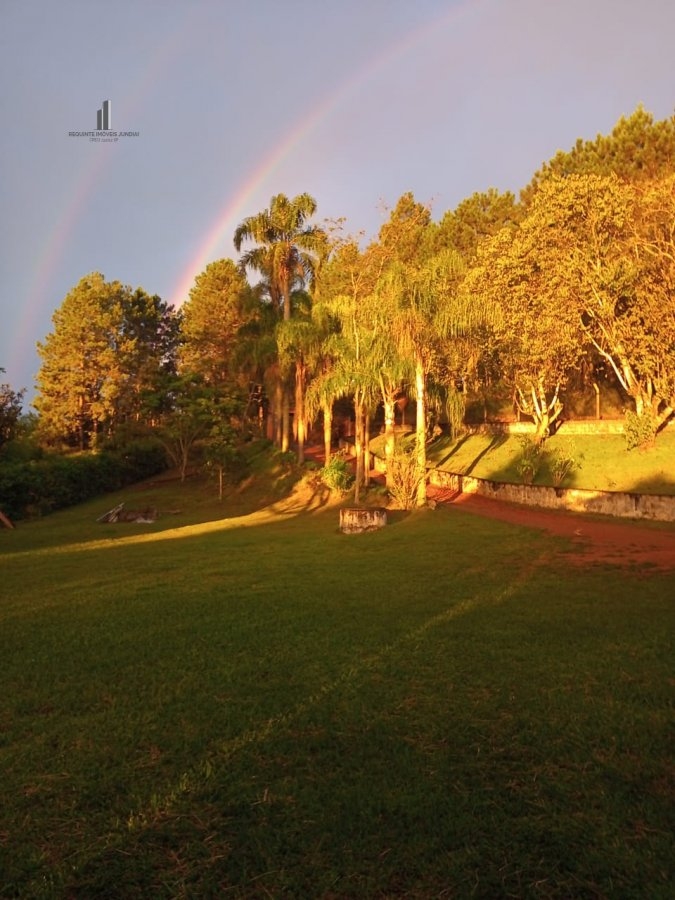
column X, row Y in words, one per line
column 577, row 275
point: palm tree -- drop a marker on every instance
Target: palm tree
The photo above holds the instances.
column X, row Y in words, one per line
column 286, row 255
column 287, row 250
column 428, row 310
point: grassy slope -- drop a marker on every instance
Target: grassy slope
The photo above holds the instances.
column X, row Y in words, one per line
column 606, row 465
column 263, row 706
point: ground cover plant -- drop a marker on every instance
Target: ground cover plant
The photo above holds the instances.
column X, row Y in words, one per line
column 251, row 704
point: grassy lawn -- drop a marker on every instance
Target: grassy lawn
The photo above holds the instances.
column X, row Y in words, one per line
column 605, row 464
column 259, row 706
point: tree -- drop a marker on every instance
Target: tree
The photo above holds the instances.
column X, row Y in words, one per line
column 193, row 415
column 286, row 256
column 616, row 251
column 428, row 311
column 79, row 382
column 523, row 276
column 629, row 316
column 287, row 248
column 220, row 304
column 474, row 220
column 592, row 265
column 349, row 362
column 10, row 411
column 151, row 331
column 108, row 353
column 638, row 149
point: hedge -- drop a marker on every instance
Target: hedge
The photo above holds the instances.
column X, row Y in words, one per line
column 41, row 486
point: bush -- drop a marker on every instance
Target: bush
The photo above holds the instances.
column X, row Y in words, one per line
column 337, row 475
column 403, row 477
column 562, row 461
column 41, row 486
column 530, row 458
column 640, row 431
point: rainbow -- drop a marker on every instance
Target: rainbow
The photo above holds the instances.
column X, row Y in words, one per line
column 223, row 227
column 236, row 208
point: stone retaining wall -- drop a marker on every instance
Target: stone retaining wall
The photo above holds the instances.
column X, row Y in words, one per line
column 569, row 426
column 609, row 503
column 659, row 507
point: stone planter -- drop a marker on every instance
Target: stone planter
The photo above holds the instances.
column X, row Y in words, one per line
column 354, row 521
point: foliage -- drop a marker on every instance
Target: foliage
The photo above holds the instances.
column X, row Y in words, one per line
column 109, row 350
column 223, row 455
column 10, row 411
column 640, row 430
column 563, row 459
column 523, row 274
column 530, row 458
column 54, row 482
column 197, row 410
column 220, row 306
column 476, row 219
column 638, row 149
column 287, row 247
column 337, row 474
column 404, row 476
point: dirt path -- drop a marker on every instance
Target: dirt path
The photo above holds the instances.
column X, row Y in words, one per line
column 617, row 542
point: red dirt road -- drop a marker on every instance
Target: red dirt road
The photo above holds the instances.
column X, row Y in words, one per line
column 617, row 542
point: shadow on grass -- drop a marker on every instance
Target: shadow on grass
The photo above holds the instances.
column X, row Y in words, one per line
column 654, row 484
column 495, row 442
column 453, row 450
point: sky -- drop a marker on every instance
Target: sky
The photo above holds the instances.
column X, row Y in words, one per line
column 354, row 102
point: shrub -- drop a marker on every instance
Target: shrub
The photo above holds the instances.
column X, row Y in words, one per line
column 337, row 475
column 562, row 461
column 640, row 431
column 530, row 458
column 41, row 486
column 403, row 477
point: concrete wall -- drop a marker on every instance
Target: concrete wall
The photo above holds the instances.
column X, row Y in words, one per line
column 609, row 503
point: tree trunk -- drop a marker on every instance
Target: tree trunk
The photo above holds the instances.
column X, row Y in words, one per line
column 277, row 403
column 327, row 431
column 358, row 448
column 285, row 420
column 389, row 435
column 421, row 431
column 366, row 449
column 299, row 420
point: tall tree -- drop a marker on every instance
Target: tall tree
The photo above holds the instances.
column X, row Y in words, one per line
column 150, row 329
column 476, row 219
column 523, row 274
column 638, row 149
column 428, row 311
column 350, row 365
column 286, row 254
column 287, row 247
column 220, row 304
column 109, row 350
column 79, row 382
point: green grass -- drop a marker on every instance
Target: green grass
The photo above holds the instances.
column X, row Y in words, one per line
column 259, row 706
column 605, row 464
